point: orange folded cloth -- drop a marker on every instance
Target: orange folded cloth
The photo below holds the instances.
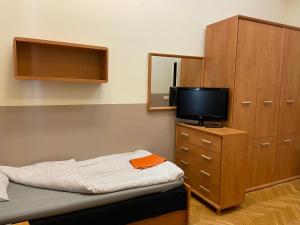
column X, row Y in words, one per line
column 146, row 162
column 23, row 223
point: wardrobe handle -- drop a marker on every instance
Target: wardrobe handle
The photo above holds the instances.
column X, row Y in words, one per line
column 206, row 157
column 185, row 177
column 206, row 141
column 185, row 134
column 185, row 148
column 205, row 189
column 265, row 144
column 268, row 102
column 246, row 102
column 290, row 101
column 287, row 140
column 184, row 162
column 205, row 173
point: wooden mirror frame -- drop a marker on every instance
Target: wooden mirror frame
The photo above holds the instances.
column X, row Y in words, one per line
column 151, row 108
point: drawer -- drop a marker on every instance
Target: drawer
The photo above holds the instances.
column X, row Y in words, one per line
column 199, row 156
column 186, row 167
column 199, row 138
column 204, row 180
column 210, row 192
column 206, row 183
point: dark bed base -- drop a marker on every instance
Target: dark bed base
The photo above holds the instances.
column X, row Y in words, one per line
column 150, row 209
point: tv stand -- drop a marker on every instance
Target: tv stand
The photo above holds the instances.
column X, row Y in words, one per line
column 200, row 124
column 208, row 125
column 213, row 125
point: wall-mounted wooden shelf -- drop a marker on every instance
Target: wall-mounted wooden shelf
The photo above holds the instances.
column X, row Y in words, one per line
column 36, row 59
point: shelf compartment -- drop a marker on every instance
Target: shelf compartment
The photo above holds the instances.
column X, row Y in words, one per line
column 36, row 59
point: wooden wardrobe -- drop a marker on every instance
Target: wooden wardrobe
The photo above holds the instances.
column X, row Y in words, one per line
column 260, row 62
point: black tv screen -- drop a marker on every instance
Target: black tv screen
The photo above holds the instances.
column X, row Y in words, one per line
column 202, row 104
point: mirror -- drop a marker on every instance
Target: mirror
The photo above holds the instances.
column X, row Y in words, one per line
column 166, row 72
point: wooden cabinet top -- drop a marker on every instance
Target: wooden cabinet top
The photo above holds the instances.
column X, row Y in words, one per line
column 216, row 131
column 260, row 21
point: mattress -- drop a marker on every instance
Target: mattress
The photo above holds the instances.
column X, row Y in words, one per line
column 29, row 203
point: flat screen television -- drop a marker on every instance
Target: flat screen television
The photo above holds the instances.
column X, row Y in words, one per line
column 202, row 104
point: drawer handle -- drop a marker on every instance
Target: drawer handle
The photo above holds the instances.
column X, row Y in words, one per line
column 184, row 162
column 206, row 141
column 246, row 102
column 265, row 144
column 205, row 189
column 290, row 101
column 287, row 140
column 205, row 173
column 185, row 148
column 206, row 157
column 185, row 134
column 185, row 177
column 268, row 102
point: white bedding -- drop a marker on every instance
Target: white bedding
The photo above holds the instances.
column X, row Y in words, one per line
column 100, row 175
column 3, row 188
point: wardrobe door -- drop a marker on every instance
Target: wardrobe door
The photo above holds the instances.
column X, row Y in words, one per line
column 247, row 67
column 269, row 81
column 220, row 53
column 263, row 161
column 191, row 72
column 249, row 165
column 285, row 161
column 298, row 113
column 220, row 57
column 290, row 83
column 297, row 157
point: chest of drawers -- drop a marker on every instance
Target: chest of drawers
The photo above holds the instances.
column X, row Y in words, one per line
column 214, row 162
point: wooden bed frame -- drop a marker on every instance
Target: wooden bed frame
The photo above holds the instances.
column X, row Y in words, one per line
column 173, row 218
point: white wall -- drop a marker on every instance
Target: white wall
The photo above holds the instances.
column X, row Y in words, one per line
column 130, row 29
column 293, row 12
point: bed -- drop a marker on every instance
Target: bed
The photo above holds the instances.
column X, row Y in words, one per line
column 158, row 204
column 106, row 190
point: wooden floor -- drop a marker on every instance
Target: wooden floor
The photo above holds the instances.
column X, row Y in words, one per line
column 271, row 206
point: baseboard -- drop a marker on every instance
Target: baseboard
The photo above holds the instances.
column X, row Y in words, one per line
column 272, row 183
